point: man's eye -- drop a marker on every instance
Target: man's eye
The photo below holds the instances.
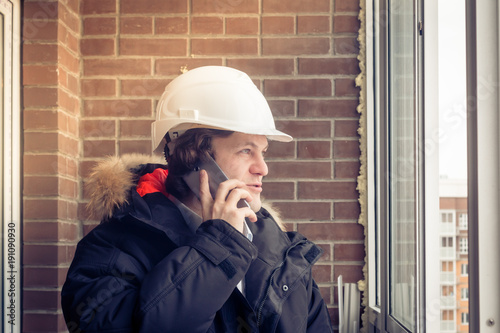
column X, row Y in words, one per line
column 245, row 151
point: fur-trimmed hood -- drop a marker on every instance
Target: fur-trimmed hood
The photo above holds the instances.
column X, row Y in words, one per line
column 110, row 182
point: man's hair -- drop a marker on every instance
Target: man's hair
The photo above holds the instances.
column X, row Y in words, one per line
column 188, row 151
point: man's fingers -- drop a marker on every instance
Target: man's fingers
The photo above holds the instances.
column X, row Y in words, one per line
column 205, row 196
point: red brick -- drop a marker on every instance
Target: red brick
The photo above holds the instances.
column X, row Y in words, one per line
column 153, row 47
column 40, row 185
column 98, row 148
column 346, row 88
column 39, row 30
column 327, row 190
column 68, row 102
column 171, row 25
column 39, row 75
column 90, row 7
column 49, row 231
column 136, row 25
column 153, row 6
column 307, row 129
column 41, row 299
column 242, row 26
column 48, row 277
column 68, row 145
column 99, row 26
column 207, row 25
column 224, row 46
column 135, row 128
column 135, row 146
column 281, row 150
column 278, row 25
column 117, row 108
column 98, row 87
column 117, row 67
column 332, row 231
column 40, row 120
column 314, row 149
column 40, row 10
column 322, row 273
column 263, row 66
column 39, row 53
column 40, row 209
column 310, row 211
column 295, row 6
column 172, row 66
column 39, row 97
column 97, row 128
column 38, row 142
column 327, row 108
column 299, row 169
column 313, row 24
column 72, row 43
column 346, row 210
column 295, row 46
column 278, row 190
column 346, row 170
column 97, row 47
column 68, row 124
column 346, row 128
column 69, row 19
column 347, row 6
column 346, row 45
column 225, row 6
column 40, row 164
column 282, row 108
column 68, row 188
column 343, row 24
column 73, row 6
column 346, row 149
column 44, row 322
column 69, row 60
column 350, row 273
column 298, row 87
column 332, row 66
column 144, row 87
column 349, row 252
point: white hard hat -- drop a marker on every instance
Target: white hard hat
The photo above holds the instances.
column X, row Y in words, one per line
column 214, row 97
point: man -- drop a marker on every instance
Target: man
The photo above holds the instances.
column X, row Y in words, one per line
column 168, row 259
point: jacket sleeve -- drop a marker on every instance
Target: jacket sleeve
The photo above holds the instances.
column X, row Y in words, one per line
column 181, row 293
column 186, row 289
column 318, row 319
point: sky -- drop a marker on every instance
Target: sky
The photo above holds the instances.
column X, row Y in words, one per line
column 452, row 90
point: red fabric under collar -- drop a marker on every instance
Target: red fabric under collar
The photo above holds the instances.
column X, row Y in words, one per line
column 153, row 182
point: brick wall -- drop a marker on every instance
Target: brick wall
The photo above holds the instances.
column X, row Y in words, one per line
column 94, row 69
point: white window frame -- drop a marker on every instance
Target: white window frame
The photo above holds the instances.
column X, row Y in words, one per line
column 428, row 297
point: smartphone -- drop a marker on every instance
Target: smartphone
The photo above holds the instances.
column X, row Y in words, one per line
column 215, row 177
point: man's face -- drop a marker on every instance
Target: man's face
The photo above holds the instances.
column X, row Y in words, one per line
column 241, row 156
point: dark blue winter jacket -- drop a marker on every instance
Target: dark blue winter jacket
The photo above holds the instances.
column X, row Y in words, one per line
column 144, row 270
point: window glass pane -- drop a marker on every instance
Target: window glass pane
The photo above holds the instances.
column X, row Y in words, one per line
column 402, row 143
column 453, row 158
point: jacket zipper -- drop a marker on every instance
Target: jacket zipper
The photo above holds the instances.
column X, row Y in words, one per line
column 271, row 279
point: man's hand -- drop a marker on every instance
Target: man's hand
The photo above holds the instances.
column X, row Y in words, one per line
column 224, row 205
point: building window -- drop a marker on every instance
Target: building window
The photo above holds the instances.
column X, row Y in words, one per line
column 465, row 269
column 464, row 293
column 463, row 221
column 465, row 318
column 463, row 245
